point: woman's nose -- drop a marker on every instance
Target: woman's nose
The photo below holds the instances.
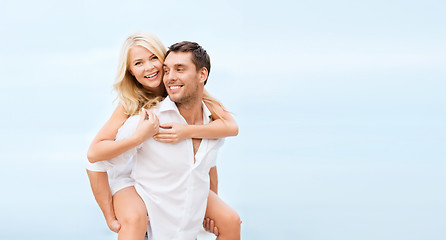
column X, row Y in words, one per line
column 149, row 65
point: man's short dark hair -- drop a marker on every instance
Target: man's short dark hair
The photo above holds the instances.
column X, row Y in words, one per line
column 199, row 56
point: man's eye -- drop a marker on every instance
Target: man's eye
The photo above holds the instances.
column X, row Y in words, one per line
column 166, row 71
column 179, row 69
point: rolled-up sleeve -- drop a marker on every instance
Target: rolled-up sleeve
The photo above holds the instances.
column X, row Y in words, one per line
column 126, row 131
column 102, row 166
column 119, row 168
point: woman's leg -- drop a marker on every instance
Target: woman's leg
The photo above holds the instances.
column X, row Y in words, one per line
column 225, row 218
column 131, row 213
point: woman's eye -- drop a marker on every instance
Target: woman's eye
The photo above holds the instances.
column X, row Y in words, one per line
column 154, row 58
column 137, row 63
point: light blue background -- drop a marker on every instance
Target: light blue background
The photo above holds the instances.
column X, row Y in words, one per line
column 341, row 107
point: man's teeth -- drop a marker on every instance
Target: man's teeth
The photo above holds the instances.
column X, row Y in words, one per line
column 151, row 76
column 175, row 87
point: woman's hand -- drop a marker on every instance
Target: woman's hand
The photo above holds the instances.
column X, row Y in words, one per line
column 148, row 125
column 171, row 133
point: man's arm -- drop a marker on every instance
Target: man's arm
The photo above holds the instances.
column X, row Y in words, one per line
column 213, row 176
column 102, row 194
column 208, row 224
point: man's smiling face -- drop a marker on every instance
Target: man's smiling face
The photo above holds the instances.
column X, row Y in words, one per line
column 181, row 77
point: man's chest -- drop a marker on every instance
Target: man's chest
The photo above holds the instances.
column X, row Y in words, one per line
column 196, row 144
column 172, row 157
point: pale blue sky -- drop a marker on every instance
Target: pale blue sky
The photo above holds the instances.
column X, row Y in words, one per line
column 340, row 104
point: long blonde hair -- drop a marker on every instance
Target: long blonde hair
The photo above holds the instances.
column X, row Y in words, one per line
column 211, row 103
column 132, row 95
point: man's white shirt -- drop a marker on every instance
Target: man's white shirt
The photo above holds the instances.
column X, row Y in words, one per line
column 173, row 187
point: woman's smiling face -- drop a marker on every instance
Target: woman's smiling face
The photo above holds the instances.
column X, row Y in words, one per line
column 146, row 67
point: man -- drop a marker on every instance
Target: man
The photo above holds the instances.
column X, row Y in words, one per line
column 172, row 179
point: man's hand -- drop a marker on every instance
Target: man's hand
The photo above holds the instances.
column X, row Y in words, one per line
column 114, row 225
column 209, row 226
column 171, row 133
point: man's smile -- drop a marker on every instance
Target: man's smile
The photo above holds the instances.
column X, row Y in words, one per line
column 174, row 87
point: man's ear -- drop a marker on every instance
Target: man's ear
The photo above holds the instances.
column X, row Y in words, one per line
column 203, row 74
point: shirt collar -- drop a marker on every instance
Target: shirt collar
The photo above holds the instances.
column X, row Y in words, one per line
column 169, row 105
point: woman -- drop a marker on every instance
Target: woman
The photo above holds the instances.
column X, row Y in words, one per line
column 139, row 86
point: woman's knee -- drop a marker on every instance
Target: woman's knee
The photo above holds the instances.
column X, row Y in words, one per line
column 229, row 227
column 231, row 220
column 130, row 208
column 234, row 219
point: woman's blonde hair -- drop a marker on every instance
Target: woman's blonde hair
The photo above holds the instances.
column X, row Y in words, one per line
column 211, row 102
column 132, row 95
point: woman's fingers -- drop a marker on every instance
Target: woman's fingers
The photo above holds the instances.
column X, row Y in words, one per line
column 166, row 131
column 155, row 119
column 142, row 114
column 165, row 136
column 150, row 116
column 166, row 125
column 164, row 140
column 147, row 117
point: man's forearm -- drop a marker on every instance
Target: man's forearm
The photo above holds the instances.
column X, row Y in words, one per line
column 102, row 193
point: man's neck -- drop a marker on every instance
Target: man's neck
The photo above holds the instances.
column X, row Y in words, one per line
column 192, row 111
column 159, row 91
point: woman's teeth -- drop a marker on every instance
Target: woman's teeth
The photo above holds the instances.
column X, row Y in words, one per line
column 151, row 76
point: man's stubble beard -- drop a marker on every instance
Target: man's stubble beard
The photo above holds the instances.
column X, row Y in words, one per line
column 188, row 97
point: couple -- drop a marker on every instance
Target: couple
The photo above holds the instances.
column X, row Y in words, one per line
column 162, row 160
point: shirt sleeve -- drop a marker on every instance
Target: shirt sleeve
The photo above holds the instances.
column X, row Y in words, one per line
column 126, row 131
column 128, row 128
column 102, row 166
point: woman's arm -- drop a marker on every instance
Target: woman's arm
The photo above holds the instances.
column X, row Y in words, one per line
column 213, row 177
column 105, row 147
column 224, row 125
column 102, row 194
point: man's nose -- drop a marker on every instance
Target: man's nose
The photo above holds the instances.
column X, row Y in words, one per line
column 172, row 76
